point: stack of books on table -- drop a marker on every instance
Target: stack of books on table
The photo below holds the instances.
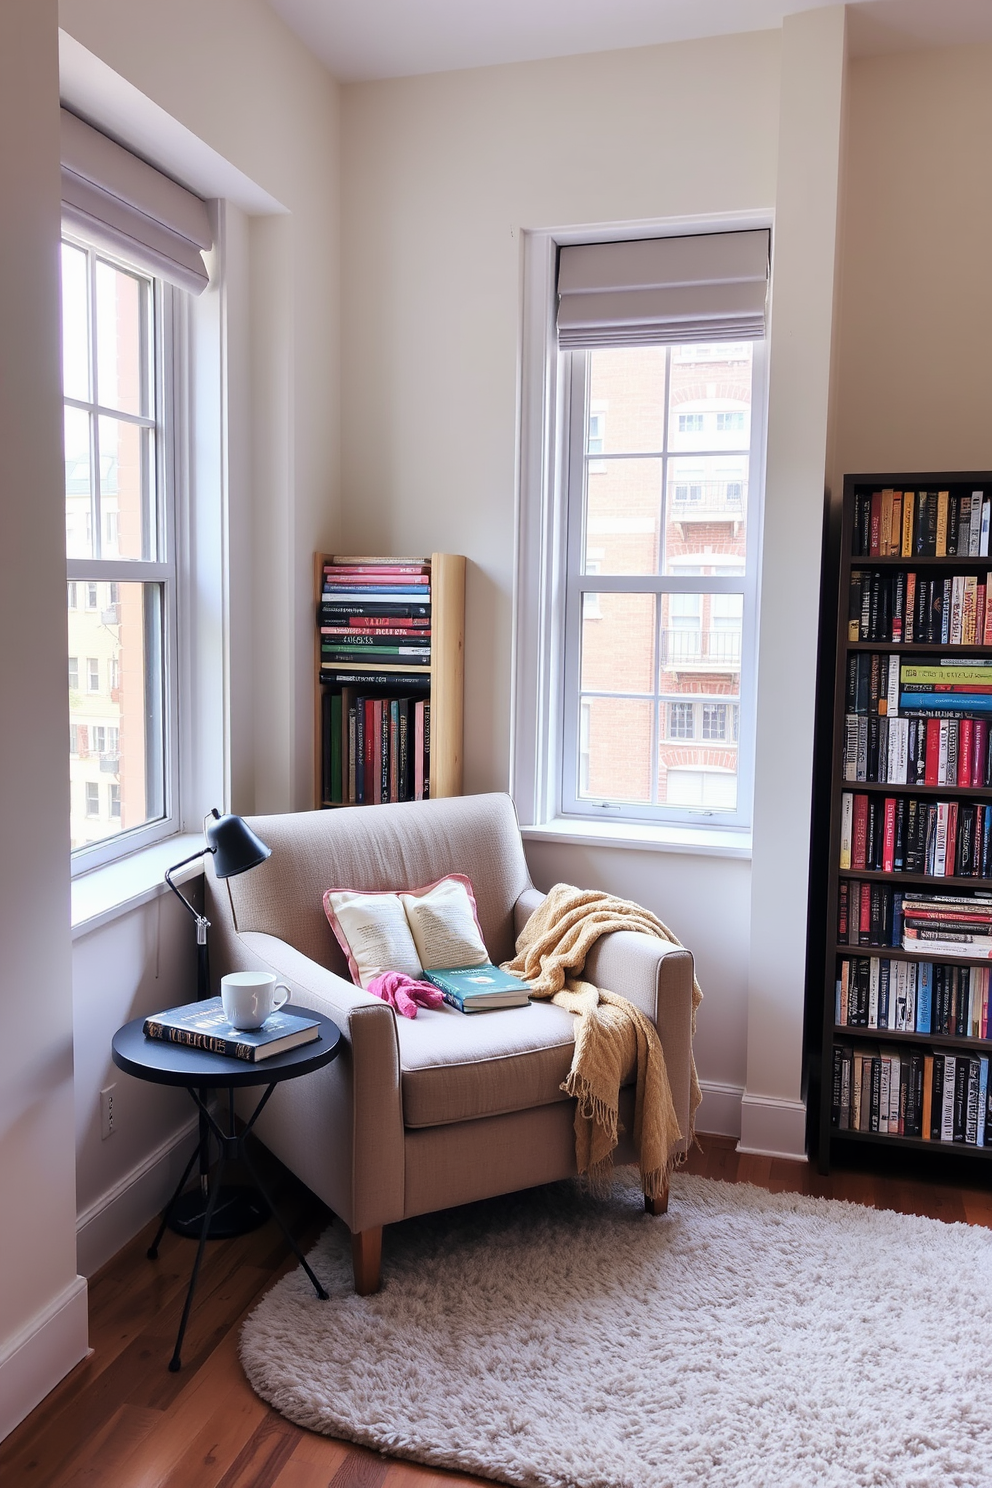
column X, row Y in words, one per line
column 479, row 989
column 203, row 1025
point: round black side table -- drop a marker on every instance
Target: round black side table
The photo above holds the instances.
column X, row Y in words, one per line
column 198, row 1072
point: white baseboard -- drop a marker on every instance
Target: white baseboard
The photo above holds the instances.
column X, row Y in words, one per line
column 117, row 1215
column 720, row 1108
column 42, row 1353
column 772, row 1127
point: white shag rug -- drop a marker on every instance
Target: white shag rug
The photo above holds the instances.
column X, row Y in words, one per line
column 745, row 1340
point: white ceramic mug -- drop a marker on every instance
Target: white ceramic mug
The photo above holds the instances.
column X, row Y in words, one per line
column 250, row 996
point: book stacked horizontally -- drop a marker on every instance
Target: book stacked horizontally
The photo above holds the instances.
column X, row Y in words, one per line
column 203, row 1025
column 479, row 989
column 942, row 925
column 948, row 688
column 375, row 611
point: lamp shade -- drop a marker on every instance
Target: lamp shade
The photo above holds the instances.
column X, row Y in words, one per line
column 234, row 845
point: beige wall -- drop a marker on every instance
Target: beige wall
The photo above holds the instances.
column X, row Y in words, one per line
column 439, row 175
column 914, row 367
column 240, row 81
column 42, row 1303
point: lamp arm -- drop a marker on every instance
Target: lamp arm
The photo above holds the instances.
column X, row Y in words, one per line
column 202, row 923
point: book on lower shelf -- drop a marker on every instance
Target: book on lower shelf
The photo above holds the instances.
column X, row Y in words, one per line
column 933, row 1095
column 478, row 989
column 203, row 1025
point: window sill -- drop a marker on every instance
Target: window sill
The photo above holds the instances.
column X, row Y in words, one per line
column 103, row 894
column 726, row 842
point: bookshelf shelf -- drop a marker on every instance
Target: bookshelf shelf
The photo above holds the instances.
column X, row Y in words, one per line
column 438, row 684
column 886, row 1019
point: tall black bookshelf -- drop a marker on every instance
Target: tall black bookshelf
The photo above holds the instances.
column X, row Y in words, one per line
column 905, row 1006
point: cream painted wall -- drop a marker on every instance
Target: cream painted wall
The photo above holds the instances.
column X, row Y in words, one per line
column 803, row 281
column 914, row 369
column 235, row 76
column 42, row 1302
column 439, row 175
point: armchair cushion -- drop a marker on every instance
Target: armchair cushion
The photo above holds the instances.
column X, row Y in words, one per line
column 459, row 1068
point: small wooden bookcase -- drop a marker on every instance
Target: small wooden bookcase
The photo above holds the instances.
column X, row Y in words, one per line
column 838, row 891
column 445, row 675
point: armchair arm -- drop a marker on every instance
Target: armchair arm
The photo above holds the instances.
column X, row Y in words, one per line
column 339, row 1129
column 655, row 976
column 524, row 908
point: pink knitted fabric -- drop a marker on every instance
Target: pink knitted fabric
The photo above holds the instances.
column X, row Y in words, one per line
column 403, row 993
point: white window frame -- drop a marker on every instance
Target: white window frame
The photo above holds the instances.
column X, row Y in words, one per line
column 537, row 717
column 171, row 381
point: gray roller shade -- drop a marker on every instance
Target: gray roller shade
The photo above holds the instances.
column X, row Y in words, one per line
column 131, row 208
column 710, row 287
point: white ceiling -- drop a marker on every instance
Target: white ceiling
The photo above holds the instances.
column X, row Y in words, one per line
column 363, row 39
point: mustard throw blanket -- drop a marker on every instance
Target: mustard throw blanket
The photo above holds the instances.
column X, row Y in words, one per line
column 612, row 1036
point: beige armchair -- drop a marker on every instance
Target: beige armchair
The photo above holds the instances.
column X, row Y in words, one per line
column 423, row 1114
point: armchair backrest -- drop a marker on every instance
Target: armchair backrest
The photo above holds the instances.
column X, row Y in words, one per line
column 371, row 848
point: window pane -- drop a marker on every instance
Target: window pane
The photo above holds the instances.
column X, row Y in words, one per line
column 627, row 400
column 701, row 642
column 623, row 516
column 615, row 749
column 122, row 339
column 78, row 485
column 710, row 397
column 75, row 342
column 705, row 515
column 127, row 500
column 116, row 712
column 618, row 643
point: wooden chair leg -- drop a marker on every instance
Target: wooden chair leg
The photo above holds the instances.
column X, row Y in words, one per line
column 657, row 1205
column 366, row 1260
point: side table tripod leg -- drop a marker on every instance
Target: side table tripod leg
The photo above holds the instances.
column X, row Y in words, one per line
column 317, row 1286
column 152, row 1251
column 175, row 1363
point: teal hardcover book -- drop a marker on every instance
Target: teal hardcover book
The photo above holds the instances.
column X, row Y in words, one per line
column 475, row 988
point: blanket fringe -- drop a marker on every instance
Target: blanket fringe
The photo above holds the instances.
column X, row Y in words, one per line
column 592, row 1107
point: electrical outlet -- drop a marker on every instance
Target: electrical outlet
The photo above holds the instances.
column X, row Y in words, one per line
column 108, row 1112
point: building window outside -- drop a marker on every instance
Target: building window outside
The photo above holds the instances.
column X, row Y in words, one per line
column 120, row 343
column 671, row 585
column 680, row 721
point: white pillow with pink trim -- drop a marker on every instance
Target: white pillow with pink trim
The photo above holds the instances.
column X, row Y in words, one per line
column 409, row 930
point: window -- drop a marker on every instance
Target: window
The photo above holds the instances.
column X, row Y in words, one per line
column 680, row 721
column 73, row 599
column 638, row 551
column 121, row 340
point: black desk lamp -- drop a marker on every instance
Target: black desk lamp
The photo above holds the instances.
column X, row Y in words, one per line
column 235, row 849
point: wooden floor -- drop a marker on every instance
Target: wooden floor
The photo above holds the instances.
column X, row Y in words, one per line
column 121, row 1420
